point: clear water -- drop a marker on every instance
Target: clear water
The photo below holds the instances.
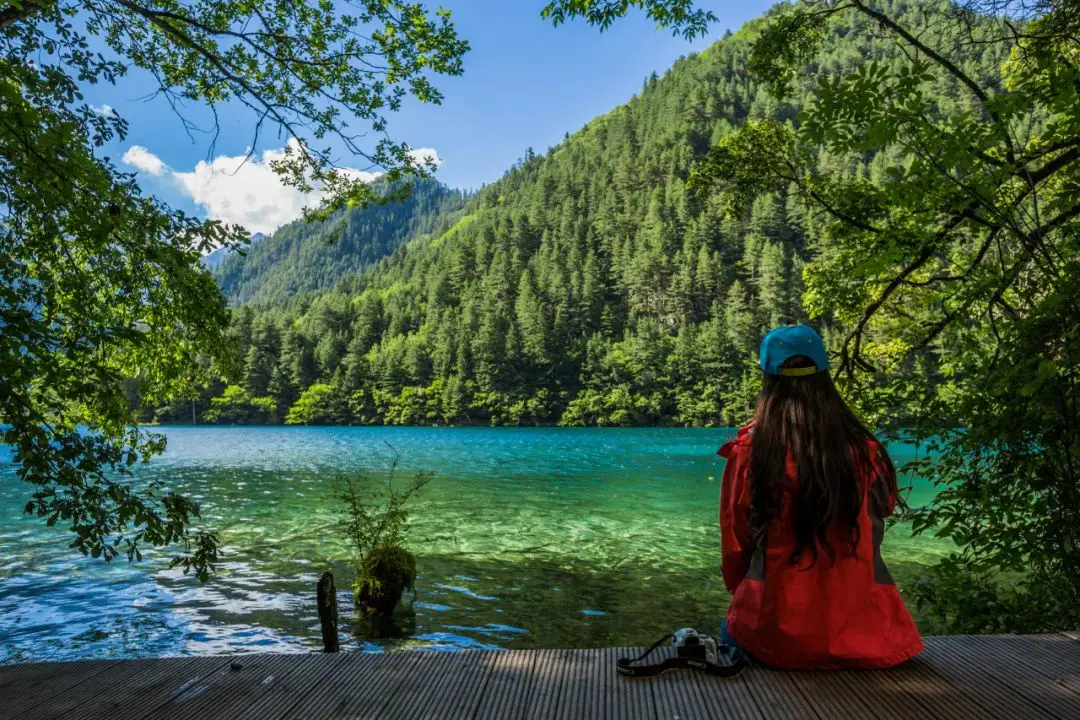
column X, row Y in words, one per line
column 526, row 538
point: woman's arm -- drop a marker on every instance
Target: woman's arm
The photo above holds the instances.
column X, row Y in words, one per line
column 882, row 495
column 736, row 541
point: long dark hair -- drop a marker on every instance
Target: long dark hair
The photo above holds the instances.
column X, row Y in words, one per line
column 806, row 417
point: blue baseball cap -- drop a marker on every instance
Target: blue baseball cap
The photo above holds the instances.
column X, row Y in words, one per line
column 787, row 341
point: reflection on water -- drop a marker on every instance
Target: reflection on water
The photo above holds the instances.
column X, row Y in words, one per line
column 527, row 538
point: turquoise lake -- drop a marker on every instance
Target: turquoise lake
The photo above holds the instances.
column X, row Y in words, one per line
column 526, row 538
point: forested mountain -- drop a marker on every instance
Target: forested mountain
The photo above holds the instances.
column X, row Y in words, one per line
column 214, row 259
column 587, row 286
column 307, row 256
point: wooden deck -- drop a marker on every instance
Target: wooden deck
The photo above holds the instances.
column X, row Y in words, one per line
column 957, row 678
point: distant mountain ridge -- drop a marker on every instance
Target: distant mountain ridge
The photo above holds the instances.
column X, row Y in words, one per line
column 214, row 259
column 587, row 286
column 305, row 257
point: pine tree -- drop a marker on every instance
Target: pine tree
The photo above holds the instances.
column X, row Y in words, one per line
column 532, row 320
column 262, row 357
column 282, row 389
column 298, row 358
column 774, row 286
column 739, row 318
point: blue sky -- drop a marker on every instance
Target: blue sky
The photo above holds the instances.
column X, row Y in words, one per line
column 525, row 85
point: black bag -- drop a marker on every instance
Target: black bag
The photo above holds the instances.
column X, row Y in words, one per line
column 693, row 650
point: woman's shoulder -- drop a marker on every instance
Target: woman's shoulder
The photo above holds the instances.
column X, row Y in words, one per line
column 741, row 440
column 876, row 449
column 880, row 465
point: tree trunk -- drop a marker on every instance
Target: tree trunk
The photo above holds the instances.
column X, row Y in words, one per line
column 326, row 595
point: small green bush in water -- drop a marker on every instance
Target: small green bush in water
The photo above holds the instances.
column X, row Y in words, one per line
column 382, row 578
column 377, row 527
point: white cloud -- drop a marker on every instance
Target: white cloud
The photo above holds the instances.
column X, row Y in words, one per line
column 248, row 193
column 422, row 156
column 142, row 159
column 105, row 110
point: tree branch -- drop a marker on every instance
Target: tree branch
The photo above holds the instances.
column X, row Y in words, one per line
column 850, row 355
column 1053, row 166
column 951, row 67
column 963, row 276
column 944, row 62
column 1009, row 278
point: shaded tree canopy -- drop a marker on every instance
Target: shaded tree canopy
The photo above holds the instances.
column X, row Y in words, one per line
column 98, row 283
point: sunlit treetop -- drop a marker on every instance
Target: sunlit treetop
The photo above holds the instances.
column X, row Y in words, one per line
column 682, row 17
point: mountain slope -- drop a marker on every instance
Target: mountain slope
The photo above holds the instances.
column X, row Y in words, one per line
column 585, row 286
column 303, row 257
column 214, row 260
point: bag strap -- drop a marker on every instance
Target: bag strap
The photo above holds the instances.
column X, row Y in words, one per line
column 626, row 666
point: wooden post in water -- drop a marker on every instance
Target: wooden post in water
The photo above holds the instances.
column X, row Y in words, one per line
column 326, row 597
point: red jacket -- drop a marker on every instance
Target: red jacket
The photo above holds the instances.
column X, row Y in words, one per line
column 826, row 616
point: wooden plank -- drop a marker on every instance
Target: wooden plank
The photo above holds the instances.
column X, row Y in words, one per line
column 379, row 689
column 130, row 698
column 957, row 678
column 276, row 696
column 544, row 698
column 921, row 685
column 992, row 656
column 776, row 695
column 595, row 677
column 594, row 700
column 26, row 689
column 459, row 700
column 621, row 697
column 606, row 694
column 255, row 682
column 205, row 696
column 445, row 688
column 330, row 692
column 137, row 701
column 19, row 673
column 912, row 690
column 675, row 693
column 827, row 696
column 1054, row 653
column 1049, row 658
column 404, row 699
column 729, row 697
column 85, row 699
column 17, row 679
column 871, row 694
column 1072, row 634
column 509, row 683
column 909, row 692
column 996, row 699
column 573, row 666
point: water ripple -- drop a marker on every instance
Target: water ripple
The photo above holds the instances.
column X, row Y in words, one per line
column 520, row 530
